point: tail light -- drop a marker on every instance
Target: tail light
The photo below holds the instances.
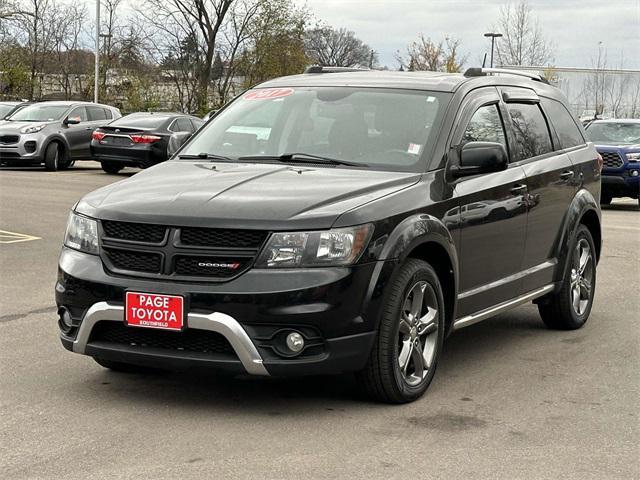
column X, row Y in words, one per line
column 97, row 135
column 600, row 162
column 145, row 138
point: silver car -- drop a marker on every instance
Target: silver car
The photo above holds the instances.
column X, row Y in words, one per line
column 53, row 134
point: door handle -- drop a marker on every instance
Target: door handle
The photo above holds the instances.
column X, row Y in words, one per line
column 518, row 189
column 567, row 175
column 88, row 128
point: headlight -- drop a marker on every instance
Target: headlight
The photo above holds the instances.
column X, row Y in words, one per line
column 340, row 246
column 633, row 157
column 32, row 129
column 82, row 234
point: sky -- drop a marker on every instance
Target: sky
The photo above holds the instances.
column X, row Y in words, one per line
column 573, row 26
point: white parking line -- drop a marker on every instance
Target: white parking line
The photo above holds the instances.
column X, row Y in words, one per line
column 13, row 237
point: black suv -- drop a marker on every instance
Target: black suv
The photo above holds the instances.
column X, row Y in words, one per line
column 340, row 221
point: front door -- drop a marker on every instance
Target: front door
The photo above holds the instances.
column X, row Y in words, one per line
column 493, row 214
column 79, row 136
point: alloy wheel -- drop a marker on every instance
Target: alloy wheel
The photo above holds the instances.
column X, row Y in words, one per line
column 418, row 333
column 581, row 277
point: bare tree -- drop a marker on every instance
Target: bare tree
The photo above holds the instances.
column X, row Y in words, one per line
column 338, row 48
column 195, row 21
column 523, row 42
column 425, row 54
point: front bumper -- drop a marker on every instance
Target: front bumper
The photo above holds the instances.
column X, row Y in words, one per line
column 28, row 149
column 625, row 182
column 336, row 310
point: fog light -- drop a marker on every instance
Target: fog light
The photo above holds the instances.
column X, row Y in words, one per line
column 64, row 322
column 634, row 173
column 295, row 342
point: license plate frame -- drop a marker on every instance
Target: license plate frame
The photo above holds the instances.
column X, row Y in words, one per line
column 148, row 301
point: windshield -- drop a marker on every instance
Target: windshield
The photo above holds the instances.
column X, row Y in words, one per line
column 40, row 113
column 5, row 109
column 382, row 128
column 614, row 133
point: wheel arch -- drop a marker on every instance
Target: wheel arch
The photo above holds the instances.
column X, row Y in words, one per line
column 583, row 210
column 426, row 238
column 60, row 140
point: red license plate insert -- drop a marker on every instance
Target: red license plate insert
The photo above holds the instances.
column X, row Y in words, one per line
column 152, row 310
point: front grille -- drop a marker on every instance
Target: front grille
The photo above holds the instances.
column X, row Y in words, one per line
column 209, row 266
column 190, row 340
column 612, row 159
column 217, row 238
column 182, row 253
column 134, row 260
column 9, row 139
column 135, row 232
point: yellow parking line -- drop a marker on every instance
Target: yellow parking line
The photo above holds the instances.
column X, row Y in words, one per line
column 14, row 237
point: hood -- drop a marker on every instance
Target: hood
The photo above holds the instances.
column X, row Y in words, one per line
column 236, row 195
column 7, row 126
column 612, row 146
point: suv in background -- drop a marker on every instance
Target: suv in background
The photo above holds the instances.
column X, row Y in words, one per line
column 618, row 141
column 9, row 108
column 340, row 221
column 51, row 133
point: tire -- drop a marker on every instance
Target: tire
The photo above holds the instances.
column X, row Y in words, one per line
column 53, row 157
column 122, row 367
column 384, row 378
column 605, row 199
column 558, row 310
column 111, row 167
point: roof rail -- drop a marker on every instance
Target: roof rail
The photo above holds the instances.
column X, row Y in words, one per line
column 481, row 72
column 323, row 69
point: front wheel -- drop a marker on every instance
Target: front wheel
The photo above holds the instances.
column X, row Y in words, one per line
column 605, row 199
column 53, row 157
column 404, row 357
column 569, row 308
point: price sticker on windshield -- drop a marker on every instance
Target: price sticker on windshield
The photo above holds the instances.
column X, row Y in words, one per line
column 268, row 93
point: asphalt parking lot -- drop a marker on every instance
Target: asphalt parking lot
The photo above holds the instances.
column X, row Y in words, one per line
column 511, row 400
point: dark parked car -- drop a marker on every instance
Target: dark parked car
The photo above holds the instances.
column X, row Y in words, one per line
column 618, row 141
column 141, row 139
column 51, row 133
column 335, row 222
column 9, row 108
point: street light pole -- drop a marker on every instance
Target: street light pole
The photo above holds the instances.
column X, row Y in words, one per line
column 97, row 54
column 493, row 41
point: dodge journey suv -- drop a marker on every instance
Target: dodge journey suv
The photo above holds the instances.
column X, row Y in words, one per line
column 340, row 221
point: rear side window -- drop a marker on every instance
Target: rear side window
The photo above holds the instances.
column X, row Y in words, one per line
column 182, row 125
column 530, row 130
column 563, row 123
column 196, row 124
column 485, row 126
column 107, row 114
column 96, row 113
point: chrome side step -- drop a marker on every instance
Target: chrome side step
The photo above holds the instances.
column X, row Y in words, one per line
column 502, row 307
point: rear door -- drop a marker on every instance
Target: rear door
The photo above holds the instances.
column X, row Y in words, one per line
column 551, row 181
column 493, row 213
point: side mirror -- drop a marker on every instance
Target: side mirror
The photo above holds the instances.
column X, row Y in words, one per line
column 479, row 157
column 71, row 121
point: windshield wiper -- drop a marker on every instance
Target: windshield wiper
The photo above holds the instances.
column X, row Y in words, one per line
column 303, row 158
column 206, row 156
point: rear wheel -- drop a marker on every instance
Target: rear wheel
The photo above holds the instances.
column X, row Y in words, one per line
column 404, row 357
column 569, row 308
column 53, row 157
column 111, row 167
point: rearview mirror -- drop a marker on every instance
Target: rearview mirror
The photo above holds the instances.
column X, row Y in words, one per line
column 479, row 157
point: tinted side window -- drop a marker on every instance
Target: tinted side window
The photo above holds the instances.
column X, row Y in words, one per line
column 80, row 113
column 96, row 113
column 182, row 125
column 485, row 126
column 107, row 114
column 196, row 124
column 563, row 123
column 530, row 130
